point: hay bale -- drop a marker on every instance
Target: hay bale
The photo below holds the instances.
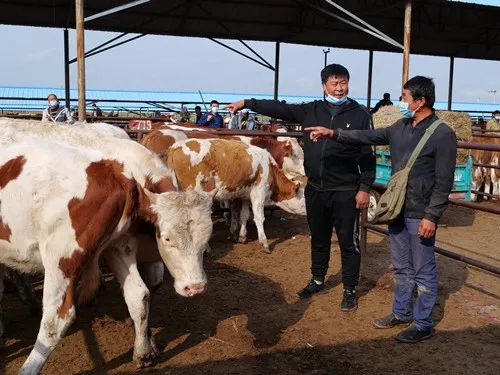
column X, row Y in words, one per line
column 459, row 122
column 386, row 116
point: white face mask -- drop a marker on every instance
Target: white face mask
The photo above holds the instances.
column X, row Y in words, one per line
column 215, row 109
column 497, row 117
column 53, row 103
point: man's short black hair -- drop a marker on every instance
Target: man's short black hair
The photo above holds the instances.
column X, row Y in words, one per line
column 422, row 87
column 197, row 107
column 214, row 102
column 333, row 70
column 387, row 95
column 54, row 95
column 497, row 112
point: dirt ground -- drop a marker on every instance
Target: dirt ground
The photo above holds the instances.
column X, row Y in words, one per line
column 251, row 322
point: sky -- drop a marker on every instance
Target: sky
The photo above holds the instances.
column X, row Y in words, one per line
column 164, row 63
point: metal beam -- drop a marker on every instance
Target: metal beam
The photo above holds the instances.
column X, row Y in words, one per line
column 80, row 55
column 450, row 83
column 89, row 53
column 374, row 29
column 355, row 25
column 241, row 53
column 276, row 70
column 370, row 76
column 407, row 40
column 115, row 10
column 66, row 69
column 255, row 53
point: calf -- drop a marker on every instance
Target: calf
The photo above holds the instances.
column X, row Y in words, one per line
column 238, row 171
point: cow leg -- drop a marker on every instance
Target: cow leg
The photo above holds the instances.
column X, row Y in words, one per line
column 58, row 314
column 227, row 215
column 235, row 218
column 487, row 183
column 3, row 272
column 244, row 215
column 477, row 181
column 258, row 199
column 123, row 264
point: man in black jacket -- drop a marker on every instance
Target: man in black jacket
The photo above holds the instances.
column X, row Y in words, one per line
column 412, row 235
column 339, row 177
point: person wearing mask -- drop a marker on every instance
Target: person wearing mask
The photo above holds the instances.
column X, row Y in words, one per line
column 184, row 115
column 385, row 101
column 198, row 113
column 413, row 234
column 247, row 122
column 212, row 118
column 56, row 112
column 339, row 177
column 96, row 111
column 494, row 122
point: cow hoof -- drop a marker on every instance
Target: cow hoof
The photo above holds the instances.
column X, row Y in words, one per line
column 242, row 239
column 148, row 359
column 266, row 249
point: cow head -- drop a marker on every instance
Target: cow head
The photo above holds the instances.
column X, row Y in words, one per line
column 183, row 227
column 287, row 194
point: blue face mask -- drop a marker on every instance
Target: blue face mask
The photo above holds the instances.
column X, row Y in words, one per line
column 405, row 111
column 336, row 101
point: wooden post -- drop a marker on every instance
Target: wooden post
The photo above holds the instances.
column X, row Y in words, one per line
column 450, row 83
column 370, row 76
column 276, row 70
column 407, row 39
column 80, row 52
column 66, row 69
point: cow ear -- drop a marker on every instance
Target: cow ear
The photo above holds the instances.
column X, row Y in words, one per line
column 146, row 199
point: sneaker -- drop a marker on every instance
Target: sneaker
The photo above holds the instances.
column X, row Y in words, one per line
column 349, row 301
column 311, row 288
column 412, row 334
column 389, row 321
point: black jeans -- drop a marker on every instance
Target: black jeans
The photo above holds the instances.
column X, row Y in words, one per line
column 327, row 210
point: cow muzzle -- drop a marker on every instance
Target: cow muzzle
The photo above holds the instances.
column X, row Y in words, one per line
column 195, row 289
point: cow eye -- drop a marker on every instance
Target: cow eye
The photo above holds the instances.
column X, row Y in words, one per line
column 166, row 239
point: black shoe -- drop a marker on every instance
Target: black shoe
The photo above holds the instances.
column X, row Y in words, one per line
column 412, row 334
column 349, row 301
column 311, row 288
column 389, row 321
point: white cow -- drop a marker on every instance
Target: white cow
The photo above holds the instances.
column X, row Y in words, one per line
column 64, row 204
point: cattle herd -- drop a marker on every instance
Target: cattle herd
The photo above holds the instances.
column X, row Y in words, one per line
column 75, row 197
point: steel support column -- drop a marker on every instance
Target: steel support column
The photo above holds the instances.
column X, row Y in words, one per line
column 450, row 82
column 66, row 69
column 80, row 55
column 407, row 39
column 370, row 76
column 276, row 70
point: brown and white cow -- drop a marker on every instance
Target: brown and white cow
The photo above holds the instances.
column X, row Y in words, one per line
column 63, row 204
column 238, row 171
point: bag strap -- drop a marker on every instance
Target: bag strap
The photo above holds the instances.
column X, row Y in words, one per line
column 428, row 132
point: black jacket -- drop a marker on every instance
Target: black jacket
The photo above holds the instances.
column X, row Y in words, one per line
column 329, row 165
column 431, row 178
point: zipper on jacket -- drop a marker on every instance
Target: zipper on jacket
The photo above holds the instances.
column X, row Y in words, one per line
column 323, row 154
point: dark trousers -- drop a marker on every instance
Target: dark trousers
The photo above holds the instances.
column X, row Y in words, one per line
column 325, row 211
